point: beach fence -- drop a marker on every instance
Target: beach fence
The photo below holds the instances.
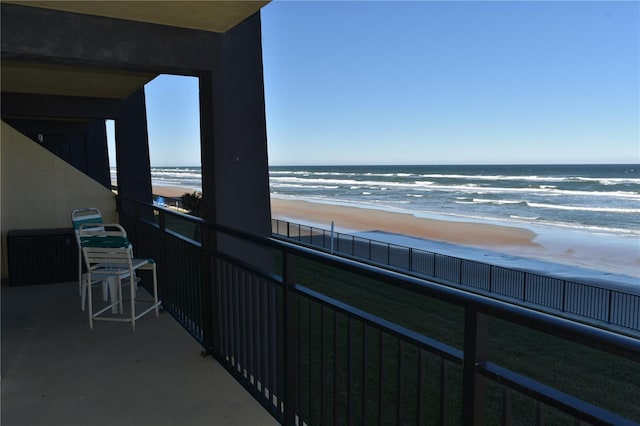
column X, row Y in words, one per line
column 579, row 300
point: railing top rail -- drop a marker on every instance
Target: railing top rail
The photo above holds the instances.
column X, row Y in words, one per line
column 578, row 332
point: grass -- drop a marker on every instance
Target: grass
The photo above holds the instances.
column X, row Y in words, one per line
column 593, row 376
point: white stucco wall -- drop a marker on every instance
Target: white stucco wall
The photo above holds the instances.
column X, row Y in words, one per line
column 38, row 190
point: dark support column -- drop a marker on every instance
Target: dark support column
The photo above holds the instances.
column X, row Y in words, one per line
column 132, row 151
column 241, row 164
column 207, row 148
column 207, row 154
column 235, row 171
column 97, row 153
column 475, row 352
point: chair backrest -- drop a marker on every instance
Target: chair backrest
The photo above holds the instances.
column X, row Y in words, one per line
column 86, row 215
column 108, row 245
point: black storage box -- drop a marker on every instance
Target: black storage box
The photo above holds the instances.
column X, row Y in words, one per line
column 42, row 256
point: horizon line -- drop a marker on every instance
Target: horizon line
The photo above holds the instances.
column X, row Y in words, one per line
column 422, row 164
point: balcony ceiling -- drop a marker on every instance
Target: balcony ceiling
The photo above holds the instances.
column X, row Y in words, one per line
column 215, row 16
column 23, row 77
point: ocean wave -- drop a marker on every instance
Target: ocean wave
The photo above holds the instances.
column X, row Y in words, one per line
column 584, row 208
column 515, row 216
column 297, row 185
column 535, row 178
column 499, row 202
column 176, row 174
column 465, row 188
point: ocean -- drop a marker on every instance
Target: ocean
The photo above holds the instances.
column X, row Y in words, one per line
column 599, row 204
column 594, row 198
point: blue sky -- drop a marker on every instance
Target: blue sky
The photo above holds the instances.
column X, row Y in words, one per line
column 372, row 82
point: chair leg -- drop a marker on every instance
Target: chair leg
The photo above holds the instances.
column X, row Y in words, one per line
column 155, row 289
column 105, row 291
column 83, row 293
column 112, row 283
column 80, row 288
column 132, row 291
column 90, row 301
column 120, row 306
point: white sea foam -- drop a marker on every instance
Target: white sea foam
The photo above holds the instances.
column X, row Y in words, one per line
column 583, row 208
column 466, row 187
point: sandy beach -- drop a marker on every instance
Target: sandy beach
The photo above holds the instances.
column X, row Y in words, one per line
column 509, row 240
column 357, row 219
column 171, row 191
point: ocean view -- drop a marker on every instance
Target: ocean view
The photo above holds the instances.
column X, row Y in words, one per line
column 594, row 207
column 599, row 199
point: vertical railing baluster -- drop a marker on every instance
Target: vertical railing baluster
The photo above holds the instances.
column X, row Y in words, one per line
column 299, row 398
column 381, row 378
column 506, row 406
column 310, row 368
column 410, row 259
column 264, row 343
column 420, row 402
column 444, row 392
column 399, row 419
column 473, row 385
column 242, row 305
column 433, row 264
column 610, row 306
column 350, row 378
column 365, row 373
column 335, row 367
column 273, row 349
column 323, row 367
column 291, row 343
column 164, row 260
column 540, row 414
column 236, row 316
column 252, row 332
column 209, row 309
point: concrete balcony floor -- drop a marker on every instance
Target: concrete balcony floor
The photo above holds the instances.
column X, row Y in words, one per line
column 56, row 371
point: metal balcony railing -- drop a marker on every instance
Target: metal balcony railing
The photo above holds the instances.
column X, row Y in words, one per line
column 321, row 339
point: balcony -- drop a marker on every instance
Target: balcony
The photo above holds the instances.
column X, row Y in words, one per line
column 55, row 371
column 304, row 337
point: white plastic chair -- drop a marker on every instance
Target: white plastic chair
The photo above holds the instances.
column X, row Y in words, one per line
column 109, row 255
column 81, row 216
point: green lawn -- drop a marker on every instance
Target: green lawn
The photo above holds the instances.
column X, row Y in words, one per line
column 599, row 378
